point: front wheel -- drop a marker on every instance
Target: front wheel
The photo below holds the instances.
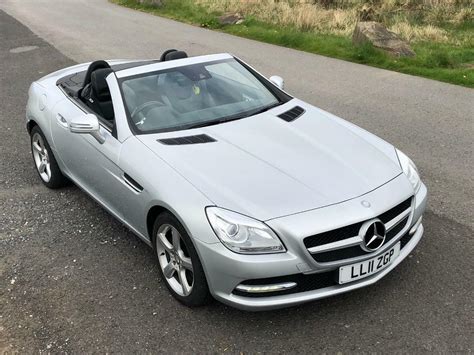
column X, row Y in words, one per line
column 45, row 162
column 179, row 263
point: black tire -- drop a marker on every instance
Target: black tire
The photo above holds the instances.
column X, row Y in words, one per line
column 199, row 295
column 57, row 179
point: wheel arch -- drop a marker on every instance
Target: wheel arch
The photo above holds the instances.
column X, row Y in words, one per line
column 155, row 210
column 30, row 124
column 38, row 109
column 153, row 213
column 151, row 216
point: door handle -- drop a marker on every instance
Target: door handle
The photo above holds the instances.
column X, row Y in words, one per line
column 61, row 120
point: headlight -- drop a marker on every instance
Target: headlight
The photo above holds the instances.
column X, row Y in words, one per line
column 410, row 170
column 243, row 234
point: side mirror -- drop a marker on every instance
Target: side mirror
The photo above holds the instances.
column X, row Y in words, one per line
column 277, row 81
column 87, row 124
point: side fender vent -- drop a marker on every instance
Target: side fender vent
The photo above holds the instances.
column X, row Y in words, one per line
column 292, row 114
column 197, row 139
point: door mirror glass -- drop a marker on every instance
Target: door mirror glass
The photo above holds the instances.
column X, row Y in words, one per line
column 277, row 81
column 87, row 124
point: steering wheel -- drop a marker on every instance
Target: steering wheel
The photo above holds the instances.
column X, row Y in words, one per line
column 139, row 110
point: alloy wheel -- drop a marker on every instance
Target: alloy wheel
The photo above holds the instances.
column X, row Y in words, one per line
column 41, row 157
column 174, row 259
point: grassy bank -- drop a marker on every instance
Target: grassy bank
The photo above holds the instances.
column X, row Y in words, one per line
column 440, row 32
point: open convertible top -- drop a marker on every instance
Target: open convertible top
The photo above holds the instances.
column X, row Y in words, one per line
column 72, row 84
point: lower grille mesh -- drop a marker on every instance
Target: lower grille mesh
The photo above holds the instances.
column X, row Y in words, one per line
column 405, row 240
column 303, row 283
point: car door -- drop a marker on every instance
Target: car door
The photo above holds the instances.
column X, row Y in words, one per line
column 95, row 166
column 92, row 165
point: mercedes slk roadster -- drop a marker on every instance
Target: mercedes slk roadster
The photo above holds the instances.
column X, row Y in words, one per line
column 246, row 194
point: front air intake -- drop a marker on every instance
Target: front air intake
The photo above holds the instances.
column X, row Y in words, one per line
column 292, row 114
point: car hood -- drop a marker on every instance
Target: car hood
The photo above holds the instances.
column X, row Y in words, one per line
column 265, row 167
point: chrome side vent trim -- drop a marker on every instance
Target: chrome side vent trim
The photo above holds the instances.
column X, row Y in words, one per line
column 135, row 186
column 292, row 114
column 197, row 139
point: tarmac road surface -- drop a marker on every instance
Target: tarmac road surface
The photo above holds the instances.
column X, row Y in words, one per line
column 74, row 280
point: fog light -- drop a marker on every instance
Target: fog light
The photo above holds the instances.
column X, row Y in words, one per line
column 266, row 288
column 415, row 226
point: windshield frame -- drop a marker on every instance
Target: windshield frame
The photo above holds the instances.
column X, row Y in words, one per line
column 281, row 96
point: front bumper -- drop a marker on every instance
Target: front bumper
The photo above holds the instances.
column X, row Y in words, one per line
column 226, row 270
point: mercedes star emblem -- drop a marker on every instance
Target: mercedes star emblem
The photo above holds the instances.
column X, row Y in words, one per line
column 373, row 235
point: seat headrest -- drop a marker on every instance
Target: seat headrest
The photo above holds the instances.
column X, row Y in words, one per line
column 93, row 67
column 171, row 54
column 99, row 84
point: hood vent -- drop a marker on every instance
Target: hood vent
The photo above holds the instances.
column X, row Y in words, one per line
column 292, row 114
column 197, row 139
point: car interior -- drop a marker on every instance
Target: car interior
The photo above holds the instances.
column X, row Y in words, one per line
column 182, row 97
column 95, row 92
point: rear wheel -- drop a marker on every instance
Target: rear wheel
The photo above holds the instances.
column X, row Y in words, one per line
column 45, row 162
column 179, row 263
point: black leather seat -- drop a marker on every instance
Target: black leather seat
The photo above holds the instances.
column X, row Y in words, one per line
column 97, row 94
column 98, row 64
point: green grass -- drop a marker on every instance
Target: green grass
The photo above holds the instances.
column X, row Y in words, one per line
column 440, row 61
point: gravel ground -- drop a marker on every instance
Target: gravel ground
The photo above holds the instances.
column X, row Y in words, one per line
column 75, row 280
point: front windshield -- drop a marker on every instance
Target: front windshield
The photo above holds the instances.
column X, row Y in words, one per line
column 194, row 96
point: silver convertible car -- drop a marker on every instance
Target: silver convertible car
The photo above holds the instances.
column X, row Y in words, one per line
column 245, row 193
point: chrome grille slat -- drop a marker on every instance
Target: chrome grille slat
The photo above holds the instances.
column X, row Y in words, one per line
column 336, row 245
column 389, row 225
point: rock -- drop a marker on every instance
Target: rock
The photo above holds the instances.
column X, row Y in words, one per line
column 367, row 13
column 231, row 19
column 380, row 37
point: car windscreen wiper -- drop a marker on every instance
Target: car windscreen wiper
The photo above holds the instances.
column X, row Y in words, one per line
column 234, row 117
column 266, row 108
column 212, row 123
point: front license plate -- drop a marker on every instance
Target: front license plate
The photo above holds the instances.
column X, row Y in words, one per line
column 369, row 267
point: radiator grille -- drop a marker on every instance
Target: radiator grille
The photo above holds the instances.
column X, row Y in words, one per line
column 353, row 229
column 354, row 251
